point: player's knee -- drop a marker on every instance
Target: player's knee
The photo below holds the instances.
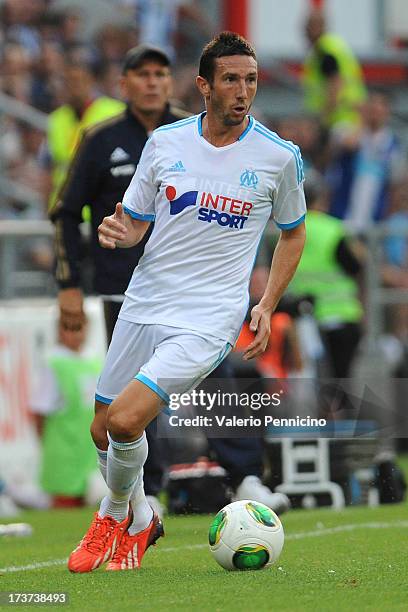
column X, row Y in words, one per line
column 123, row 426
column 98, row 432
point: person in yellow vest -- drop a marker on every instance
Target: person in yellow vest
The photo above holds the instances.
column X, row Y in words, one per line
column 84, row 108
column 328, row 273
column 62, row 406
column 332, row 77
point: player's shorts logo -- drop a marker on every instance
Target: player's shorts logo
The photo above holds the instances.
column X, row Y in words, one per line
column 249, row 179
column 177, row 205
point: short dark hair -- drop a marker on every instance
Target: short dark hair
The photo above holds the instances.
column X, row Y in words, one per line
column 226, row 43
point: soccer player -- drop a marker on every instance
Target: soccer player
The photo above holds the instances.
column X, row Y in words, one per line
column 99, row 175
column 210, row 182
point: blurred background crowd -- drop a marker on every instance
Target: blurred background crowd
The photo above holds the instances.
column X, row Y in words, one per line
column 54, row 53
column 346, row 119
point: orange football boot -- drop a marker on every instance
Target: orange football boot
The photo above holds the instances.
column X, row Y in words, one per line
column 130, row 550
column 98, row 544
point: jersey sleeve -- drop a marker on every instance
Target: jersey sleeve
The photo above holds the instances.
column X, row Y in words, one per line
column 139, row 198
column 289, row 206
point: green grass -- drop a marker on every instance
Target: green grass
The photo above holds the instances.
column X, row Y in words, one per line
column 403, row 464
column 363, row 568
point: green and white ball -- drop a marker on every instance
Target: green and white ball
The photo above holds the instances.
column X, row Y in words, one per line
column 246, row 535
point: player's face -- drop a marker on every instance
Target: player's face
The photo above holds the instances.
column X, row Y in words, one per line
column 233, row 88
column 148, row 87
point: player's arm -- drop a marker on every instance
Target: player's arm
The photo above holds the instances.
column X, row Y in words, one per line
column 121, row 230
column 78, row 190
column 289, row 209
column 130, row 221
column 284, row 263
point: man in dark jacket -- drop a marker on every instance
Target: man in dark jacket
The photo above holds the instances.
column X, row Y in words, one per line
column 99, row 175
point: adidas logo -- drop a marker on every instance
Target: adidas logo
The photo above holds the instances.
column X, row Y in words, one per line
column 177, row 167
column 119, row 155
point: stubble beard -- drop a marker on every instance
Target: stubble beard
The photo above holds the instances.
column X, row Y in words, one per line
column 223, row 115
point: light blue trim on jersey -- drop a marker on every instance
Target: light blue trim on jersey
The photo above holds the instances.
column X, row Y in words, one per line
column 102, row 399
column 177, row 124
column 153, row 386
column 287, row 226
column 138, row 216
column 249, row 126
column 261, row 129
column 244, row 133
column 200, row 123
column 286, row 143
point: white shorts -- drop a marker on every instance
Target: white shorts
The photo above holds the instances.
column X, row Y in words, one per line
column 166, row 359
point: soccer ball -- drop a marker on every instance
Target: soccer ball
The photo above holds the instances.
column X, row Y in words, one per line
column 246, row 535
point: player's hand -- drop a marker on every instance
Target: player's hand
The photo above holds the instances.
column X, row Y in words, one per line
column 113, row 228
column 261, row 324
column 71, row 301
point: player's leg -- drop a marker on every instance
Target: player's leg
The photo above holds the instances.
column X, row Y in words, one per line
column 154, row 466
column 179, row 362
column 132, row 345
column 126, row 420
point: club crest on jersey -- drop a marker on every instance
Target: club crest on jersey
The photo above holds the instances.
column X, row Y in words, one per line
column 249, row 179
column 224, row 210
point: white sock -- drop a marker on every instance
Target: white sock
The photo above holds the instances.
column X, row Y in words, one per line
column 142, row 511
column 125, row 461
column 142, row 514
column 102, row 461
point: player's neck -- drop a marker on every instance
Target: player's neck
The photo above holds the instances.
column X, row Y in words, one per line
column 220, row 135
column 150, row 121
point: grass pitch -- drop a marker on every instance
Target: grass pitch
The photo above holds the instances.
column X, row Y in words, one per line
column 354, row 559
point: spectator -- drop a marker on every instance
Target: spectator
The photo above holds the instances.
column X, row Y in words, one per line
column 327, row 273
column 25, row 168
column 111, row 44
column 311, row 137
column 109, row 74
column 21, row 18
column 99, row 175
column 47, row 85
column 365, row 166
column 62, row 405
column 395, row 269
column 84, row 107
column 159, row 23
column 333, row 81
column 16, row 77
column 70, row 28
column 397, row 246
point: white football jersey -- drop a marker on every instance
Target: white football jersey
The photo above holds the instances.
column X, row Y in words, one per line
column 210, row 206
